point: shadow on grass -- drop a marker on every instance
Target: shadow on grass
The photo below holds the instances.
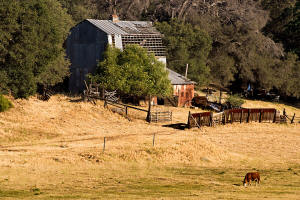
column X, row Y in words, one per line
column 179, row 126
column 15, row 193
column 236, row 184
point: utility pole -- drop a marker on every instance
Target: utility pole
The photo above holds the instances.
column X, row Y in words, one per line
column 186, row 70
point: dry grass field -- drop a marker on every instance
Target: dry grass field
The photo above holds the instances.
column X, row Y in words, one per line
column 54, row 150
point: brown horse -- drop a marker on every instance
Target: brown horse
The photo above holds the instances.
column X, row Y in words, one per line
column 252, row 176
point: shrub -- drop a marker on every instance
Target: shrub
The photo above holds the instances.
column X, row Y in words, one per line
column 4, row 103
column 235, row 101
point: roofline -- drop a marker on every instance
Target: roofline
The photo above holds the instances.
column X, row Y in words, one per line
column 186, row 80
column 190, row 83
column 89, row 20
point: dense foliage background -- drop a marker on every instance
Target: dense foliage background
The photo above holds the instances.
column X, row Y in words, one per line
column 232, row 43
column 32, row 34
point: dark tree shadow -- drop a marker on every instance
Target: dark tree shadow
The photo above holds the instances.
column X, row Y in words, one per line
column 180, row 126
column 76, row 100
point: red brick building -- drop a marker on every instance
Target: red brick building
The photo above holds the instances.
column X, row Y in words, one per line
column 183, row 90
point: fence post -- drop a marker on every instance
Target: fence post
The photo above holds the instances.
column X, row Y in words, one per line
column 188, row 122
column 241, row 118
column 211, row 119
column 260, row 113
column 231, row 116
column 149, row 110
column 248, row 117
column 274, row 119
column 126, row 110
column 104, row 140
column 292, row 121
column 153, row 143
column 105, row 103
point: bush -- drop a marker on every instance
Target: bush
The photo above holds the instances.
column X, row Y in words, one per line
column 4, row 103
column 235, row 101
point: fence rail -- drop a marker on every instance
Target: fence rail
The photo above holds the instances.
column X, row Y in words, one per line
column 235, row 115
column 161, row 116
column 153, row 116
column 292, row 119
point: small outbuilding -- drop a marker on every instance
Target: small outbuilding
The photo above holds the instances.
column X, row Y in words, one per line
column 183, row 90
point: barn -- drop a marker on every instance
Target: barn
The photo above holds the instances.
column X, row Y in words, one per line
column 89, row 39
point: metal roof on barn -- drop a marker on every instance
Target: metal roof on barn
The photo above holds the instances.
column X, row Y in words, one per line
column 178, row 79
column 124, row 27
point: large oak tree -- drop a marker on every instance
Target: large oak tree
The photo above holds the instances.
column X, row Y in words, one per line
column 32, row 34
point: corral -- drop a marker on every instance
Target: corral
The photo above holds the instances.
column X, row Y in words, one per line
column 238, row 115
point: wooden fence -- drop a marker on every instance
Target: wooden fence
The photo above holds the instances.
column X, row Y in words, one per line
column 200, row 119
column 291, row 119
column 153, row 116
column 161, row 116
column 250, row 115
column 123, row 107
column 233, row 116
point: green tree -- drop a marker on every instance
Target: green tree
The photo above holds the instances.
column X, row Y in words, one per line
column 187, row 44
column 223, row 69
column 109, row 67
column 5, row 104
column 287, row 75
column 133, row 72
column 32, row 34
column 4, row 81
column 284, row 24
column 80, row 9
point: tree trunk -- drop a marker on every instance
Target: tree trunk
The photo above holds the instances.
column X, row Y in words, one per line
column 149, row 110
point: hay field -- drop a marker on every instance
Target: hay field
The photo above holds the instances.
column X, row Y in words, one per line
column 54, row 150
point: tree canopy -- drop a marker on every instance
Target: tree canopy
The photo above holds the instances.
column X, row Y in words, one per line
column 187, row 44
column 32, row 34
column 133, row 72
column 231, row 43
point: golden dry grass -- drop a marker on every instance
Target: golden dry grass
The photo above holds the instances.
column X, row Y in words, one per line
column 53, row 150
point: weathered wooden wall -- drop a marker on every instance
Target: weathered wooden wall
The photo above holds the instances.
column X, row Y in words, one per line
column 233, row 116
column 185, row 94
column 84, row 46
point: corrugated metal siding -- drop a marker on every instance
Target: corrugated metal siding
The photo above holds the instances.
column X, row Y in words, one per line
column 107, row 26
column 85, row 46
column 124, row 27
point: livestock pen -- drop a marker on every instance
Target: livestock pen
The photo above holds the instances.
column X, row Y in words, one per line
column 245, row 115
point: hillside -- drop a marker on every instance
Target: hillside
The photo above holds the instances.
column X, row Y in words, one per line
column 54, row 150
